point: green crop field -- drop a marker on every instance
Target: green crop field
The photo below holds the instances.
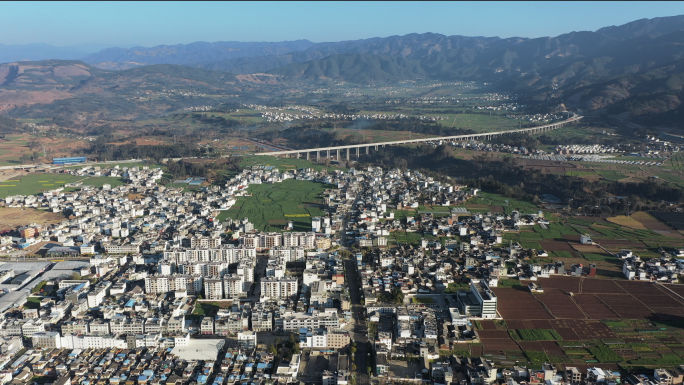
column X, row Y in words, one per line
column 35, row 183
column 538, row 335
column 580, row 173
column 283, row 163
column 121, row 165
column 569, row 134
column 509, row 204
column 676, row 161
column 272, row 205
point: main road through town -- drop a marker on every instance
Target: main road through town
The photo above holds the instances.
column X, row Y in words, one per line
column 360, row 328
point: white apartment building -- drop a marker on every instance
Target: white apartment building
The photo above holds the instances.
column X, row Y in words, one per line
column 278, row 288
column 289, row 253
column 213, row 288
column 122, row 249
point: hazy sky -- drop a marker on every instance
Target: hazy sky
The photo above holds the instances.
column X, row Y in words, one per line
column 155, row 23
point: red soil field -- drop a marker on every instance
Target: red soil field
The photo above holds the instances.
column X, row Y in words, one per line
column 531, row 345
column 475, row 350
column 488, row 325
column 551, row 347
column 595, row 286
column 650, row 294
column 518, row 304
column 488, row 334
column 515, row 324
column 585, row 330
column 567, row 334
column 559, row 304
column 593, row 307
column 651, row 222
column 497, row 344
column 626, row 306
column 679, row 289
column 568, row 284
column 540, row 324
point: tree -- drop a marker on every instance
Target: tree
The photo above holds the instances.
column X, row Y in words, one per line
column 372, row 329
column 353, row 349
column 354, row 367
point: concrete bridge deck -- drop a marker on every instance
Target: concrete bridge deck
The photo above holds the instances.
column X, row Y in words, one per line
column 485, row 135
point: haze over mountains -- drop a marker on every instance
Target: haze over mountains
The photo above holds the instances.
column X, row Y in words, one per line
column 636, row 68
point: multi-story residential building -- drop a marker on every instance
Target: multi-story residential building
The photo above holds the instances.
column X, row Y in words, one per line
column 207, row 326
column 278, row 288
column 213, row 288
column 338, row 339
column 98, row 294
column 99, row 326
column 49, row 340
column 234, row 287
column 122, row 249
column 299, row 320
column 289, row 253
column 269, row 240
column 262, row 321
column 74, row 327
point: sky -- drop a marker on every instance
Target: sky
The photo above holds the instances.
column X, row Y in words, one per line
column 157, row 23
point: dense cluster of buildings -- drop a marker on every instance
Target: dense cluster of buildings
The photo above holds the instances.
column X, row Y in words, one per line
column 168, row 295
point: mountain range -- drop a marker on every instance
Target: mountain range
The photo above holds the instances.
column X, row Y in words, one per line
column 632, row 70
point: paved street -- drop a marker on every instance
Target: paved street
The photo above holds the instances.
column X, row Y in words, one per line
column 359, row 331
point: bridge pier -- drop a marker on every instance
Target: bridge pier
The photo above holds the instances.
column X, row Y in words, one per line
column 338, row 155
column 328, row 154
column 447, row 139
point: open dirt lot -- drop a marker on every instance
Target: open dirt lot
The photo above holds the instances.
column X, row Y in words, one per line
column 13, row 217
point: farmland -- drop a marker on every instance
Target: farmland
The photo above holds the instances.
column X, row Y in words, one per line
column 272, row 205
column 508, row 204
column 35, row 183
column 604, row 323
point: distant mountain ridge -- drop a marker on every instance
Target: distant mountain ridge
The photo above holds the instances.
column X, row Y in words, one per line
column 634, row 70
column 189, row 54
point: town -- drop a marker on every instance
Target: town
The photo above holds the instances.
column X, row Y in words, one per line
column 144, row 283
